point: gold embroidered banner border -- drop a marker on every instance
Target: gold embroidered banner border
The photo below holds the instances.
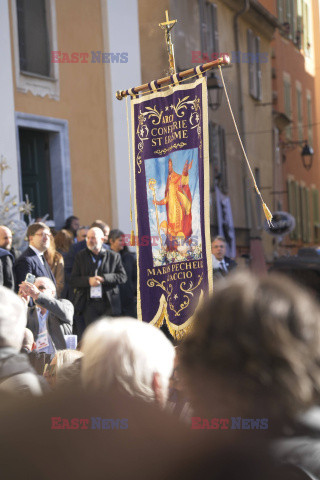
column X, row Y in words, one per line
column 171, row 158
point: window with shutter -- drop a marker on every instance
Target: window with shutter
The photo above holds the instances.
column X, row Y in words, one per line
column 299, row 113
column 280, row 10
column 290, row 17
column 215, row 27
column 292, row 205
column 287, row 103
column 297, row 196
column 255, row 88
column 306, row 30
column 309, row 120
column 309, row 227
column 208, row 13
column 316, row 215
column 305, row 214
column 258, row 69
column 34, row 44
column 252, row 79
column 218, row 161
column 298, row 37
column 223, row 158
column 203, row 27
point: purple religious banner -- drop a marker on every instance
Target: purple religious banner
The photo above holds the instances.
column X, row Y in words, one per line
column 170, row 131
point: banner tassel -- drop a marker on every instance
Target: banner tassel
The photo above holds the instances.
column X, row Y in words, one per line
column 267, row 213
column 266, row 210
column 132, row 239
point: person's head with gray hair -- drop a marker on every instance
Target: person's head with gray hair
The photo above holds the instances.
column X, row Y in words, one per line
column 219, row 247
column 61, row 359
column 131, row 356
column 46, row 285
column 13, row 319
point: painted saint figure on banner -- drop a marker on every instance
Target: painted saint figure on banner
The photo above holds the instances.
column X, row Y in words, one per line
column 172, row 184
column 178, row 202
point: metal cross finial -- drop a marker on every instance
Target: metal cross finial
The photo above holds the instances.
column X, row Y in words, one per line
column 167, row 26
column 169, row 23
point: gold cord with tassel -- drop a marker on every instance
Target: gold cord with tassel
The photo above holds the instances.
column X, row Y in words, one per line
column 266, row 210
column 132, row 239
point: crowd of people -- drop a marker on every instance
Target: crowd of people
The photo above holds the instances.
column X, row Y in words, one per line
column 89, row 265
column 238, row 397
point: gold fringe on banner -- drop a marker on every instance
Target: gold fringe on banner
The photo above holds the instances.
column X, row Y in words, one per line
column 176, row 332
column 179, row 334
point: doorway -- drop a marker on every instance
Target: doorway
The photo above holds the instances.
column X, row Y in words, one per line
column 36, row 170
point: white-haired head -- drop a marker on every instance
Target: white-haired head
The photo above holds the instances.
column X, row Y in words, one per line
column 13, row 319
column 127, row 354
column 46, row 285
column 95, row 238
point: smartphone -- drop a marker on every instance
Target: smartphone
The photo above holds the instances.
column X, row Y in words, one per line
column 30, row 278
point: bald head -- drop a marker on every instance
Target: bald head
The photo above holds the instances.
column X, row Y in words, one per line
column 5, row 237
column 95, row 239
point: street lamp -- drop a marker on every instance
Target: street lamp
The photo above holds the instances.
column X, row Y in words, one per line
column 214, row 91
column 306, row 152
column 307, row 156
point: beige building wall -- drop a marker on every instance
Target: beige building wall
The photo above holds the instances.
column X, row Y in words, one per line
column 82, row 103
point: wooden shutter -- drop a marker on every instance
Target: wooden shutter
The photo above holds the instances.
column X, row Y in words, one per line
column 316, row 215
column 252, row 80
column 280, row 10
column 258, row 69
column 215, row 27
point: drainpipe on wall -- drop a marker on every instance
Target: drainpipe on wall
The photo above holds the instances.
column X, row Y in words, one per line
column 241, row 113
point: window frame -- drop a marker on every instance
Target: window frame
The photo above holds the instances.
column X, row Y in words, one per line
column 37, row 84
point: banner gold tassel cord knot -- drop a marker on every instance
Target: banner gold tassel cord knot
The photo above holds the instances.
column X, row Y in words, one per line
column 266, row 210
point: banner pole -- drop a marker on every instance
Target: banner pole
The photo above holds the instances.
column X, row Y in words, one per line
column 224, row 60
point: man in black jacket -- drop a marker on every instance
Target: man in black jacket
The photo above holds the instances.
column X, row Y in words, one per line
column 32, row 259
column 6, row 258
column 96, row 274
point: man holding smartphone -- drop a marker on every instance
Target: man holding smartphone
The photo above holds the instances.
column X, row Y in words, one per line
column 50, row 319
column 7, row 258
